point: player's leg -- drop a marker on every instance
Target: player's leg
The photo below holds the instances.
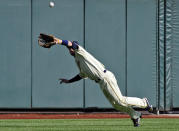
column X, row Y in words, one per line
column 113, row 88
column 134, row 101
column 135, row 116
column 129, row 110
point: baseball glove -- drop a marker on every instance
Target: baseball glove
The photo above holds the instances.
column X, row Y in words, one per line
column 46, row 41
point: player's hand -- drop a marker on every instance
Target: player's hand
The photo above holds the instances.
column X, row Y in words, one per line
column 63, row 80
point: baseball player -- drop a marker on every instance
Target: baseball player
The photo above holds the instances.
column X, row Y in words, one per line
column 90, row 67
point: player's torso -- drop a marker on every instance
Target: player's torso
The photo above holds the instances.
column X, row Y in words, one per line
column 88, row 65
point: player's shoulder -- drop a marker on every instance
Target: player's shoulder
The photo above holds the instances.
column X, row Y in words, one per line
column 80, row 52
column 78, row 47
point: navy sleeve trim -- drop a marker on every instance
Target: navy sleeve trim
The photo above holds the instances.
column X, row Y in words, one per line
column 75, row 45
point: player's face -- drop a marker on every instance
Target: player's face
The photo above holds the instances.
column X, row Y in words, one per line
column 71, row 51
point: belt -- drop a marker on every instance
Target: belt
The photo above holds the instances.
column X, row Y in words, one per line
column 98, row 80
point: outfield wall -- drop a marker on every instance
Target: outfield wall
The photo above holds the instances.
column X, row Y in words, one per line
column 135, row 39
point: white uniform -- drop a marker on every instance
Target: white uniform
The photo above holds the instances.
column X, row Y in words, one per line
column 93, row 69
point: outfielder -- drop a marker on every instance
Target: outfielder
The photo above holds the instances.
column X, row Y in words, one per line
column 91, row 68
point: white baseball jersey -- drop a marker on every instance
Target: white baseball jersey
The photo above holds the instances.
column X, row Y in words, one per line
column 91, row 68
column 88, row 65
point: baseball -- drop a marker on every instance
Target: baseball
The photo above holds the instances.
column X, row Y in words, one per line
column 51, row 4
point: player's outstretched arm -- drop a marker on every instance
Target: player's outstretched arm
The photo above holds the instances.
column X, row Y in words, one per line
column 63, row 42
column 47, row 41
column 76, row 78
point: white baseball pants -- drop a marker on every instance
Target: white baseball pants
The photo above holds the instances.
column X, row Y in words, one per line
column 112, row 92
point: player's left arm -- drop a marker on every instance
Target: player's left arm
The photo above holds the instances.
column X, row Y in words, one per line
column 74, row 79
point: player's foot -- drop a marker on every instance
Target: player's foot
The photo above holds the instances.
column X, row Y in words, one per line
column 136, row 122
column 149, row 107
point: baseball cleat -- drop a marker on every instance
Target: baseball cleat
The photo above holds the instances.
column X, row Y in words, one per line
column 136, row 122
column 149, row 107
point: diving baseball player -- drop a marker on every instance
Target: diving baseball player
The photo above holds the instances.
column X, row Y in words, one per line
column 91, row 68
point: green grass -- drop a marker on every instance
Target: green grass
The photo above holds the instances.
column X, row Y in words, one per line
column 88, row 125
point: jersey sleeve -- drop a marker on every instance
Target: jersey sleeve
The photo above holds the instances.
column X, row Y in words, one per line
column 82, row 75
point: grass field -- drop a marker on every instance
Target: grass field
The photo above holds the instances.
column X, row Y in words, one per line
column 88, row 125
